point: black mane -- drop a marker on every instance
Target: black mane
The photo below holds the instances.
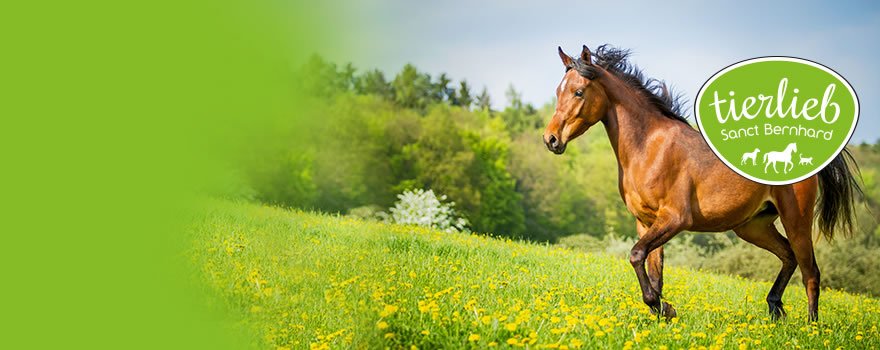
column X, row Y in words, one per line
column 614, row 60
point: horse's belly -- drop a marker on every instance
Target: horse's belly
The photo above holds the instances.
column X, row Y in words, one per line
column 727, row 207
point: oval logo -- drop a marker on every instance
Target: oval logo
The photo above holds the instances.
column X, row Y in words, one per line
column 777, row 120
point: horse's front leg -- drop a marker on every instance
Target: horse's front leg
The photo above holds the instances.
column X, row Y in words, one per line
column 654, row 262
column 668, row 224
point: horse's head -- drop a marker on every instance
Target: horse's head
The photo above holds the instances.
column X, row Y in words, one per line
column 580, row 101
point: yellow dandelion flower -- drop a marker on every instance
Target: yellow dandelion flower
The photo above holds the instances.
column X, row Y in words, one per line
column 493, row 344
column 382, row 325
column 426, row 332
column 512, row 341
column 388, row 310
column 389, row 335
column 510, row 327
column 473, row 337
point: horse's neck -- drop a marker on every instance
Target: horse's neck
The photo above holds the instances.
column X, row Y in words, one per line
column 628, row 124
column 789, row 149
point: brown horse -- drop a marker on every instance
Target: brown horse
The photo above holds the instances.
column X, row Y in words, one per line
column 671, row 181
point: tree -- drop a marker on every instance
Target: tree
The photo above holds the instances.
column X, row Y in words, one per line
column 373, row 83
column 411, row 88
column 483, row 101
column 518, row 115
column 464, row 95
column 320, row 78
column 441, row 90
column 345, row 77
column 514, row 98
column 500, row 208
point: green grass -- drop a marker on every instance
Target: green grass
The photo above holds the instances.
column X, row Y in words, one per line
column 300, row 280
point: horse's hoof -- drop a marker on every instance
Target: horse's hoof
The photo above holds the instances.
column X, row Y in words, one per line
column 668, row 312
column 777, row 312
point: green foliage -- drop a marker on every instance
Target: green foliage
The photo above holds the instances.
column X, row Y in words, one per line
column 285, row 178
column 412, row 88
column 464, row 98
column 484, row 101
column 500, row 208
column 373, row 83
column 519, row 115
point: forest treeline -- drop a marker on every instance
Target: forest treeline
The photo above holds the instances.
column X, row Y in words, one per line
column 361, row 138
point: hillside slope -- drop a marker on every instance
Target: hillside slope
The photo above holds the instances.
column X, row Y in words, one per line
column 300, row 280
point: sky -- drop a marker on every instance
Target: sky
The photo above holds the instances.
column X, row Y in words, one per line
column 498, row 43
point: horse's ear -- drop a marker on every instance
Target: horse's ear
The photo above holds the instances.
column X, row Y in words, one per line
column 586, row 56
column 566, row 60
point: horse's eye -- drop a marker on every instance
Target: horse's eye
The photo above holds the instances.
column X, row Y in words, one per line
column 579, row 93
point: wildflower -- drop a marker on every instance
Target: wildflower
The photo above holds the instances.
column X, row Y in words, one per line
column 510, row 327
column 474, row 337
column 426, row 332
column 382, row 325
column 388, row 310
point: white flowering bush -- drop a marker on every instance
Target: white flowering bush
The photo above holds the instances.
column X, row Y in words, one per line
column 424, row 208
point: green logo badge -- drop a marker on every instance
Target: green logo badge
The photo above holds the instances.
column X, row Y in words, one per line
column 777, row 120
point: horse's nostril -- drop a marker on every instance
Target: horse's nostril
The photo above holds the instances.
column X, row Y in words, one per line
column 553, row 141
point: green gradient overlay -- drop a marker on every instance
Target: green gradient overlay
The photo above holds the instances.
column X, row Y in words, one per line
column 115, row 116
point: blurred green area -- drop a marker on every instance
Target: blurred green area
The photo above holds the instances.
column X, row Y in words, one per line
column 114, row 115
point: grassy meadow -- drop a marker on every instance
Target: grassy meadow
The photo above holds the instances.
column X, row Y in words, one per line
column 300, row 280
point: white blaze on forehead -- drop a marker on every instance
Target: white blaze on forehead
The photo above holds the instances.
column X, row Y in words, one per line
column 562, row 84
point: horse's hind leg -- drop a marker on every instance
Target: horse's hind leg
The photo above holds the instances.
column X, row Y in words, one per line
column 761, row 232
column 795, row 204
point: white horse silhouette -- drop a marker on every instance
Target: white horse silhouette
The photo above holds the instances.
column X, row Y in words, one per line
column 753, row 155
column 805, row 160
column 784, row 157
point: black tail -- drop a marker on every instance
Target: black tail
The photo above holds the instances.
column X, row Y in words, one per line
column 839, row 186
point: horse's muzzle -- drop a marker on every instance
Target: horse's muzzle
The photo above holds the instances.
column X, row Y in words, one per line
column 554, row 144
